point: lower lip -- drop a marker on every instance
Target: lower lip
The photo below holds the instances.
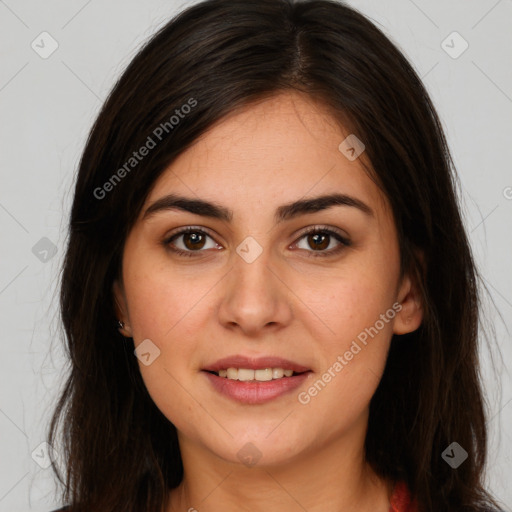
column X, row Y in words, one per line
column 255, row 392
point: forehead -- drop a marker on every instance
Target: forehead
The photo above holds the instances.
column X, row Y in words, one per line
column 275, row 150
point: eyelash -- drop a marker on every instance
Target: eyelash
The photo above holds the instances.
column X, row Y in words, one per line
column 344, row 242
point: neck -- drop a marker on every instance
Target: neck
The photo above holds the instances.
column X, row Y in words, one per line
column 331, row 476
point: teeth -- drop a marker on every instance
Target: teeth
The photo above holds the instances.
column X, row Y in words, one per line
column 232, row 373
column 244, row 374
column 277, row 373
column 263, row 374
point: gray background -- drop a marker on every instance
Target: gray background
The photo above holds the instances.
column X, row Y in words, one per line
column 48, row 106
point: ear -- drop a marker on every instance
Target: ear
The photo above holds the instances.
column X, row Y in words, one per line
column 409, row 318
column 121, row 308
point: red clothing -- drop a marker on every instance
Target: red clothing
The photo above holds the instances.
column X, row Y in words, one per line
column 401, row 500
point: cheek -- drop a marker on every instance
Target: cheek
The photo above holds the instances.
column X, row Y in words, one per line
column 357, row 309
column 164, row 308
column 161, row 301
column 161, row 316
column 347, row 303
column 170, row 391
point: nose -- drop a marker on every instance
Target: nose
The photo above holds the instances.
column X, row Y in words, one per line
column 255, row 298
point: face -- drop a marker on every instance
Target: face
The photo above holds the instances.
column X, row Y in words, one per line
column 257, row 284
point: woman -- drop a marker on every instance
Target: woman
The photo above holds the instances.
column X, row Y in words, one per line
column 269, row 298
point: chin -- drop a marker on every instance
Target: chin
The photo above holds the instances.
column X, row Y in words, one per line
column 259, row 450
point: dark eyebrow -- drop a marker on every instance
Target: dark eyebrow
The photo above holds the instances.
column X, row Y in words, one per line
column 284, row 212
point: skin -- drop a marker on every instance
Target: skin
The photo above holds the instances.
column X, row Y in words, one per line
column 307, row 309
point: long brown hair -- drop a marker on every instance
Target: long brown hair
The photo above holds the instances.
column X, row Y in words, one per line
column 121, row 453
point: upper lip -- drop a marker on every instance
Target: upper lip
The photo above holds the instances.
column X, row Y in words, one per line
column 255, row 363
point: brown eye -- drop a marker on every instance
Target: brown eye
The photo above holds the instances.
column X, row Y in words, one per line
column 319, row 239
column 193, row 240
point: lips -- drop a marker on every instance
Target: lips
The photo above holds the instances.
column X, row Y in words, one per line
column 254, row 392
column 255, row 363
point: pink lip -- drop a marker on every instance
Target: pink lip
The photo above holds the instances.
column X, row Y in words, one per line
column 254, row 363
column 255, row 392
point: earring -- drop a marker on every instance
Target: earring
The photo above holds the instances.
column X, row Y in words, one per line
column 120, row 324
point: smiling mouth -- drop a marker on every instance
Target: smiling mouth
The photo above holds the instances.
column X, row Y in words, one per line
column 259, row 375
